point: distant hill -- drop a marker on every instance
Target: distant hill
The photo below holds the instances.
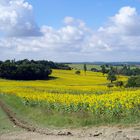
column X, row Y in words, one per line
column 102, row 63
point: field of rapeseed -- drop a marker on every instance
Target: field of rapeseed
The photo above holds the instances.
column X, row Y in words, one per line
column 69, row 92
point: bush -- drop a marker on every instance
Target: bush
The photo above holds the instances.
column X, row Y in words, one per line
column 95, row 70
column 119, row 84
column 133, row 81
column 78, row 72
column 111, row 76
column 110, row 85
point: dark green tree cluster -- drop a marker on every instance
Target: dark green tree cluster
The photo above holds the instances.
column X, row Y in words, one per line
column 128, row 71
column 113, row 71
column 26, row 70
column 104, row 69
column 111, row 76
column 123, row 70
column 45, row 63
column 133, row 81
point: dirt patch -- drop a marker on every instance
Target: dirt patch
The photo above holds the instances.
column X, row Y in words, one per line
column 97, row 133
column 100, row 133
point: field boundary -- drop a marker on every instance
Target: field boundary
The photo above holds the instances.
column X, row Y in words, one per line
column 28, row 127
column 108, row 132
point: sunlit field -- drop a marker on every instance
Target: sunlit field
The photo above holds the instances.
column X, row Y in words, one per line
column 67, row 92
column 63, row 81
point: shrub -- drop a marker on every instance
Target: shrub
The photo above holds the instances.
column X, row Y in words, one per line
column 133, row 81
column 110, row 85
column 78, row 72
column 111, row 76
column 119, row 84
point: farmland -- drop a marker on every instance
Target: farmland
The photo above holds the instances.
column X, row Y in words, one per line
column 80, row 66
column 78, row 100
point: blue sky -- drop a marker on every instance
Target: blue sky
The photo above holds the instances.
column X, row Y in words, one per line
column 94, row 12
column 70, row 30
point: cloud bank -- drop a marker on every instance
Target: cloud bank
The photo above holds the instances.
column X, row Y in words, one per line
column 20, row 37
column 16, row 19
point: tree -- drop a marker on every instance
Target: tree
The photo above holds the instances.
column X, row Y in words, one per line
column 29, row 69
column 24, row 71
column 111, row 76
column 85, row 68
column 95, row 70
column 126, row 70
column 133, row 81
column 103, row 69
column 78, row 72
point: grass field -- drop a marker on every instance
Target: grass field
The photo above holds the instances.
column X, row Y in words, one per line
column 89, row 66
column 81, row 66
column 70, row 100
column 5, row 125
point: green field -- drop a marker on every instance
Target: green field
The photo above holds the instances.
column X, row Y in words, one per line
column 81, row 66
column 89, row 66
column 5, row 125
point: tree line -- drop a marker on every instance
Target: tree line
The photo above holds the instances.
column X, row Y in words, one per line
column 122, row 70
column 28, row 69
column 112, row 72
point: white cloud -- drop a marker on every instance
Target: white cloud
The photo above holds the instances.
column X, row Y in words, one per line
column 125, row 22
column 16, row 18
column 72, row 21
column 70, row 37
column 118, row 40
column 68, row 20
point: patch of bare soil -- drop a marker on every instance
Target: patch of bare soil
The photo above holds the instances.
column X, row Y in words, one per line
column 97, row 133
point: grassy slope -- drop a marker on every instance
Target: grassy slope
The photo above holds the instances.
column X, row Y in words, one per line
column 42, row 117
column 89, row 66
column 5, row 124
column 81, row 66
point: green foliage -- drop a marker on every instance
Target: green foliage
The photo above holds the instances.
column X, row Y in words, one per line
column 78, row 72
column 111, row 76
column 104, row 69
column 119, row 84
column 80, row 66
column 45, row 63
column 133, row 81
column 127, row 70
column 95, row 70
column 43, row 115
column 85, row 68
column 5, row 124
column 27, row 70
column 110, row 85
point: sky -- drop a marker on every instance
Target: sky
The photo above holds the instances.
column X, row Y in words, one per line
column 70, row 30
